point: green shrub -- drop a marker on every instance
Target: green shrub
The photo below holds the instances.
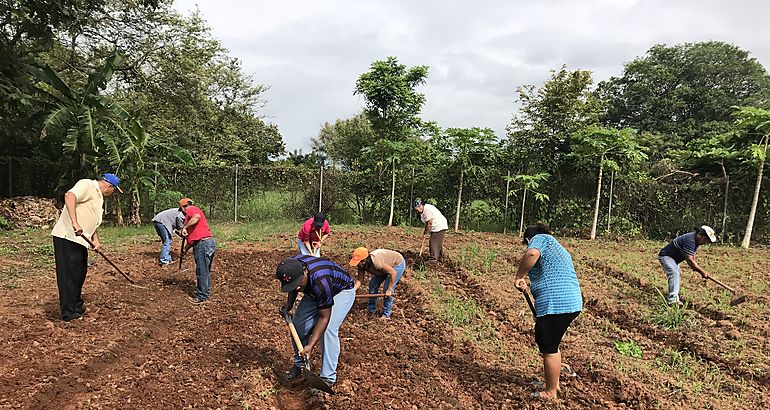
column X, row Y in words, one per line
column 628, row 348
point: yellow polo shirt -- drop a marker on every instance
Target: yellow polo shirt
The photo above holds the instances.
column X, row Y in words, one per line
column 89, row 207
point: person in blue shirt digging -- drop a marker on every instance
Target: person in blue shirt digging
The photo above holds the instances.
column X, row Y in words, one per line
column 329, row 295
column 681, row 249
column 558, row 301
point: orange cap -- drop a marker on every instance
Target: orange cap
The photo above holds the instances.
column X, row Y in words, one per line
column 185, row 201
column 359, row 254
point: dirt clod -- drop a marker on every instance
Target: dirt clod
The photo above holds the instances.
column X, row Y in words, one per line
column 733, row 334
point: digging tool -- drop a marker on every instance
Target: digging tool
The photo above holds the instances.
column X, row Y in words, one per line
column 181, row 255
column 419, row 256
column 311, row 378
column 529, row 301
column 372, row 295
column 737, row 299
column 99, row 251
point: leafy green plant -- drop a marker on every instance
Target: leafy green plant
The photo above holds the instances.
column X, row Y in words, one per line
column 628, row 348
column 5, row 223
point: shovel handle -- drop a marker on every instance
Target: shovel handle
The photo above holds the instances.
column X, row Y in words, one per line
column 529, row 301
column 372, row 295
column 295, row 336
column 106, row 258
column 722, row 284
column 181, row 252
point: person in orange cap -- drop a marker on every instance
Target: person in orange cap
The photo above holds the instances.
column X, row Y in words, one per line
column 385, row 266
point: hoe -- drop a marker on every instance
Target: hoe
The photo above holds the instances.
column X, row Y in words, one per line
column 737, row 298
column 311, row 378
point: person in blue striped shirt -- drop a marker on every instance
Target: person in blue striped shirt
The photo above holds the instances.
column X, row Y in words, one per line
column 329, row 293
column 558, row 300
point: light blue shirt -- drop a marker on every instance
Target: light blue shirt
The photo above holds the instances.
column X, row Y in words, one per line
column 553, row 280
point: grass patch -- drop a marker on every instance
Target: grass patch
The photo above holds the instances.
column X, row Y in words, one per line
column 9, row 278
column 460, row 312
column 670, row 316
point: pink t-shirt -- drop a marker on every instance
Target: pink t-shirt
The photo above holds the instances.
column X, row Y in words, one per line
column 201, row 229
column 309, row 233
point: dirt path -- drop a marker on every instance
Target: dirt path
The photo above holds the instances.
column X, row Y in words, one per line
column 151, row 349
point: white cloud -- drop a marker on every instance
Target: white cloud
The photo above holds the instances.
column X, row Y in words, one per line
column 311, row 52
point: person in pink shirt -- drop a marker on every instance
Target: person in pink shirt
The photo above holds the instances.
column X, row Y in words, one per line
column 200, row 238
column 314, row 231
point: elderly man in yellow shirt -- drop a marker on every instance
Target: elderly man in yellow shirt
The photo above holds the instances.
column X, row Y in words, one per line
column 81, row 215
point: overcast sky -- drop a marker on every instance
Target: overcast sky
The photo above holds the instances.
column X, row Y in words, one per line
column 311, row 52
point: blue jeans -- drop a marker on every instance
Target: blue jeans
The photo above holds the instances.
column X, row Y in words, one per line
column 305, row 319
column 203, row 251
column 674, row 277
column 305, row 251
column 165, row 236
column 374, row 285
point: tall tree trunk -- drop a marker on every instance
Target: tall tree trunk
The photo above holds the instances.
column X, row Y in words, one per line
column 118, row 211
column 750, row 224
column 459, row 200
column 523, row 202
column 724, row 209
column 392, row 195
column 598, row 196
column 134, row 216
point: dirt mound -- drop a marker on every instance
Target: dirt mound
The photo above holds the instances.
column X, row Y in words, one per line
column 29, row 211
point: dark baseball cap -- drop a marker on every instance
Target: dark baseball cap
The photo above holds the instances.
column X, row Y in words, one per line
column 289, row 272
column 319, row 219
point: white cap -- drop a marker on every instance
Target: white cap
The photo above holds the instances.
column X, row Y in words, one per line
column 709, row 232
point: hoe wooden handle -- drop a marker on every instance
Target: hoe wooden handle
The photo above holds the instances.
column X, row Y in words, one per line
column 722, row 284
column 106, row 258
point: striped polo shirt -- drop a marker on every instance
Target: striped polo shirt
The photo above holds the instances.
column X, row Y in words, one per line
column 553, row 279
column 325, row 280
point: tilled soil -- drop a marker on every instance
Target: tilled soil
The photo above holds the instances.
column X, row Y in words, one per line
column 150, row 348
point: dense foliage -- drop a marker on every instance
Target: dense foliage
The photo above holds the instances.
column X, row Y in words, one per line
column 679, row 138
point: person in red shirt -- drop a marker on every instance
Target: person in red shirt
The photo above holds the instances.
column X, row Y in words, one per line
column 314, row 231
column 199, row 237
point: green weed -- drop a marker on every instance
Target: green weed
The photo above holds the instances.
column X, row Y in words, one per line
column 669, row 316
column 469, row 254
column 628, row 348
column 9, row 278
column 459, row 312
column 489, row 258
column 6, row 250
column 681, row 362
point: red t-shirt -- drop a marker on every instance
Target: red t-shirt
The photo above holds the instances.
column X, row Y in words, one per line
column 309, row 233
column 201, row 229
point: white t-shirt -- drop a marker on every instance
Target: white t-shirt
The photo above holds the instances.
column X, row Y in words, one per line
column 89, row 208
column 431, row 213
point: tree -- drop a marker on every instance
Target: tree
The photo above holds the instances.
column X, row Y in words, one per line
column 392, row 104
column 756, row 122
column 528, row 183
column 471, row 149
column 538, row 136
column 682, row 91
column 609, row 147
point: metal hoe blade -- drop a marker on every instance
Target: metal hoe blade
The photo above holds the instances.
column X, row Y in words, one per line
column 315, row 381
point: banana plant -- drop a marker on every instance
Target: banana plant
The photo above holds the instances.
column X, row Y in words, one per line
column 757, row 122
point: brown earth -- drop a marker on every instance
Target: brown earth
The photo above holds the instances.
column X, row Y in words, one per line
column 149, row 348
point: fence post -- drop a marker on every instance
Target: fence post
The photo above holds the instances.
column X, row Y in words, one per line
column 235, row 205
column 321, row 187
column 155, row 192
column 505, row 212
column 609, row 208
column 411, row 198
column 10, row 179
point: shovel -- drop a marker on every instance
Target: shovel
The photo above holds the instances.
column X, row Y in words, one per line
column 419, row 256
column 131, row 281
column 371, row 295
column 529, row 301
column 181, row 255
column 311, row 378
column 737, row 299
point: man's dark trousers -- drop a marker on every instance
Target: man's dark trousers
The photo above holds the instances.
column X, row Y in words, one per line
column 71, row 267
